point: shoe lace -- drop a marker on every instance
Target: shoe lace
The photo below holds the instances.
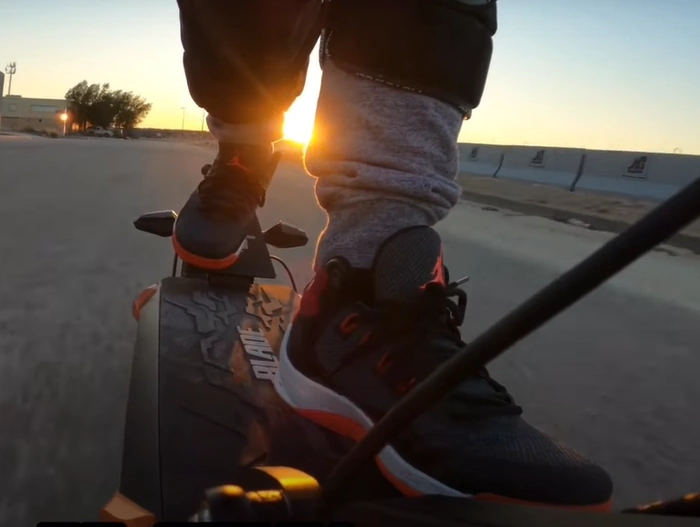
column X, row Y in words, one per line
column 227, row 192
column 435, row 336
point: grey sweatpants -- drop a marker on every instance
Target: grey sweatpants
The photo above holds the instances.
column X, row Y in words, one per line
column 384, row 158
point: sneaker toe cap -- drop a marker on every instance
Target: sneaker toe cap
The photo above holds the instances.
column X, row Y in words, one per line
column 204, row 236
column 511, row 459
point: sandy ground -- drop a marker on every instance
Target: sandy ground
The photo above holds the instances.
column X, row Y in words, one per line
column 604, row 206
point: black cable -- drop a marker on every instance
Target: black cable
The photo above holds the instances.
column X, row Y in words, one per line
column 618, row 253
column 289, row 272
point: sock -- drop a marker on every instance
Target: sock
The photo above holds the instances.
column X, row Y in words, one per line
column 254, row 134
column 384, row 158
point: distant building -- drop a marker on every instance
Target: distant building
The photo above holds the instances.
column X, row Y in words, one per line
column 24, row 113
column 21, row 113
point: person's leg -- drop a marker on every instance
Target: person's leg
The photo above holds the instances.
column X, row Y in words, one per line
column 245, row 62
column 399, row 77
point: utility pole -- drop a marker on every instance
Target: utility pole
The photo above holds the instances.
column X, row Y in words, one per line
column 203, row 114
column 183, row 117
column 10, row 69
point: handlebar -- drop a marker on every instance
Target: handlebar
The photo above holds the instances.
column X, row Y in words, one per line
column 267, row 494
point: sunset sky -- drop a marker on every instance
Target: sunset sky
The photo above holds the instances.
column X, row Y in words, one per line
column 607, row 74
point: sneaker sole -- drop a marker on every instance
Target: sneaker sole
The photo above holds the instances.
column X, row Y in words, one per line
column 208, row 264
column 339, row 414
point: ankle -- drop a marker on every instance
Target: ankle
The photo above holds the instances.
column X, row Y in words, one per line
column 245, row 151
column 357, row 230
column 261, row 133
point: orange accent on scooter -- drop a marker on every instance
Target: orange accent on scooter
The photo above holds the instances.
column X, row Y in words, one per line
column 142, row 300
column 122, row 509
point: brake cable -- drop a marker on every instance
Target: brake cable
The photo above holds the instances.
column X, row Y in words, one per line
column 654, row 228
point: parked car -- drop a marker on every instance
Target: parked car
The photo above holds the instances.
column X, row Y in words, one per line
column 98, row 131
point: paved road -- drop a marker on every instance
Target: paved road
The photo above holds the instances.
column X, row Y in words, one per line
column 616, row 376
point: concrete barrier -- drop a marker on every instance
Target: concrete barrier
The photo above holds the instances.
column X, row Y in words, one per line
column 480, row 160
column 653, row 177
column 547, row 166
column 641, row 175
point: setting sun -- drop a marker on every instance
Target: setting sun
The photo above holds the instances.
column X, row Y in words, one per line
column 299, row 124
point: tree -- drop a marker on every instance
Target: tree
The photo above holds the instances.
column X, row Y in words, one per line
column 79, row 100
column 97, row 105
column 101, row 111
column 131, row 109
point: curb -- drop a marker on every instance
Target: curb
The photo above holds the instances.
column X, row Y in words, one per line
column 596, row 223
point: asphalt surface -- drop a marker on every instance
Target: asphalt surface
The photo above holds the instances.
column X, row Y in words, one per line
column 616, row 376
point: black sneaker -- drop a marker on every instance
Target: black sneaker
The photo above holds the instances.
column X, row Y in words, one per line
column 362, row 339
column 212, row 226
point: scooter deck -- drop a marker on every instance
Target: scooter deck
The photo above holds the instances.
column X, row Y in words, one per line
column 213, row 405
column 218, row 406
column 202, row 401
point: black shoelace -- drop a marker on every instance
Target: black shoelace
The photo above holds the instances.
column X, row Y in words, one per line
column 424, row 332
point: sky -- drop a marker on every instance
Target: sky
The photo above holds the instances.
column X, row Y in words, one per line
column 615, row 74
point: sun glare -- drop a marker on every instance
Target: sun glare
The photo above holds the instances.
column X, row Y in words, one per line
column 298, row 127
column 299, row 120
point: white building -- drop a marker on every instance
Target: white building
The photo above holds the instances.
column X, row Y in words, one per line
column 22, row 113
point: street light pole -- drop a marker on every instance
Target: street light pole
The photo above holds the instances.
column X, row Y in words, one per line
column 10, row 69
column 203, row 115
column 183, row 117
column 64, row 118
